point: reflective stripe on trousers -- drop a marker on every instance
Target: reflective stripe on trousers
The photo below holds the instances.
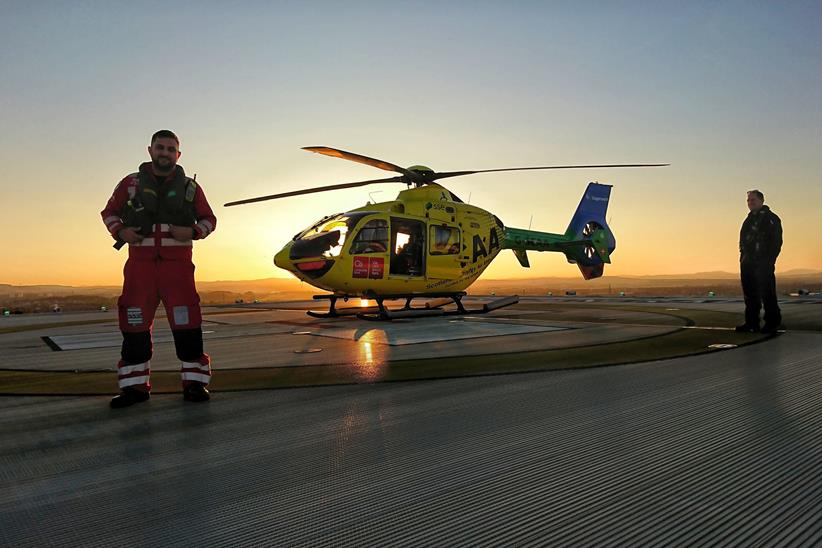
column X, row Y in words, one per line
column 134, row 375
column 196, row 371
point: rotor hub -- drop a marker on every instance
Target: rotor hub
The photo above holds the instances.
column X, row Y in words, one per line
column 420, row 175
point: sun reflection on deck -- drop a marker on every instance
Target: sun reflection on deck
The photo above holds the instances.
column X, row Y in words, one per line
column 372, row 355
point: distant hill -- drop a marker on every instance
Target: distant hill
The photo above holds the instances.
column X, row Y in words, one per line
column 713, row 275
column 43, row 297
column 800, row 272
column 721, row 275
column 7, row 289
column 721, row 283
column 270, row 285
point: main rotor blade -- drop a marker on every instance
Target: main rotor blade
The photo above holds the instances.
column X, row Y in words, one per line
column 313, row 190
column 359, row 158
column 446, row 174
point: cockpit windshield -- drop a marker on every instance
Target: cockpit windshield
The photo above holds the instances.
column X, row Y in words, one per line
column 326, row 237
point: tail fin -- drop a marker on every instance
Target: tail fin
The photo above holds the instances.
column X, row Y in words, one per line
column 592, row 207
column 588, row 224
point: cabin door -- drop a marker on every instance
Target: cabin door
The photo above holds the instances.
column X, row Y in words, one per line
column 444, row 246
column 407, row 247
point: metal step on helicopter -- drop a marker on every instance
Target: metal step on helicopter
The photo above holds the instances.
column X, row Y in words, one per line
column 428, row 243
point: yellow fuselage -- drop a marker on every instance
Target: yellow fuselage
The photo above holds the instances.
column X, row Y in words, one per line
column 426, row 241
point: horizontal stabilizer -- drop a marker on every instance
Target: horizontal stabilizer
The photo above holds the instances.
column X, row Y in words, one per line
column 522, row 257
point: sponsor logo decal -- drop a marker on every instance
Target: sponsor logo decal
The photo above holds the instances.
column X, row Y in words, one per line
column 360, row 267
column 368, row 267
column 376, row 268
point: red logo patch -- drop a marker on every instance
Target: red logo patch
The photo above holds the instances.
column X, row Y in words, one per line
column 376, row 268
column 369, row 267
column 360, row 267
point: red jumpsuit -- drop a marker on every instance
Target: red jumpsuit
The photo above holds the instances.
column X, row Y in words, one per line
column 159, row 268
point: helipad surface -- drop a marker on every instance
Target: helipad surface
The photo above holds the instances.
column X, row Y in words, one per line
column 245, row 338
column 717, row 448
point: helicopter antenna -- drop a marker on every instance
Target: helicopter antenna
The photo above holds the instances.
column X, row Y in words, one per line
column 530, row 221
column 469, row 197
column 371, row 198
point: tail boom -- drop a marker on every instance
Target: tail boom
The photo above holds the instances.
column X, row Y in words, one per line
column 587, row 242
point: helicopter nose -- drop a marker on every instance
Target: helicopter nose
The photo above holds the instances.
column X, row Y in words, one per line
column 281, row 259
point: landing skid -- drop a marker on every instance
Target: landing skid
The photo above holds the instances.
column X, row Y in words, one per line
column 432, row 308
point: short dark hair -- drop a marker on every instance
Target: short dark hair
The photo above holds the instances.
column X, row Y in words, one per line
column 758, row 194
column 165, row 134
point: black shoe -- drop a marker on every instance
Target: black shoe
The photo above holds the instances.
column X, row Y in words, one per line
column 196, row 392
column 128, row 396
column 770, row 329
column 745, row 328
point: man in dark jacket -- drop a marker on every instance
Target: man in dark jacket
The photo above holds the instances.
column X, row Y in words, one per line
column 760, row 242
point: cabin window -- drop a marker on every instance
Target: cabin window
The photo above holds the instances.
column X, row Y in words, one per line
column 444, row 240
column 372, row 238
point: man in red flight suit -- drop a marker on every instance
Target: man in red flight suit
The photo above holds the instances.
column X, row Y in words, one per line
column 158, row 211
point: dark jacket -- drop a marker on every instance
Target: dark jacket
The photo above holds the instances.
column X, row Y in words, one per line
column 760, row 239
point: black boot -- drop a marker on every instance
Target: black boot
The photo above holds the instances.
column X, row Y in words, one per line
column 128, row 396
column 770, row 329
column 196, row 391
column 746, row 328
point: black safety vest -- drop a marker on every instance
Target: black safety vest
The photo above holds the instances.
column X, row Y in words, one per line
column 154, row 203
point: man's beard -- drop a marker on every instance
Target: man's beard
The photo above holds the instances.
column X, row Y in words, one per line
column 167, row 166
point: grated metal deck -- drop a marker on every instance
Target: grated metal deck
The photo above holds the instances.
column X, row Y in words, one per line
column 719, row 449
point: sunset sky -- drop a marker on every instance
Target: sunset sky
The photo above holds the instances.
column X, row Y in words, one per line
column 729, row 93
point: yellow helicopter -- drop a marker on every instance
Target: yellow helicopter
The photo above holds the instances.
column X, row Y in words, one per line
column 428, row 243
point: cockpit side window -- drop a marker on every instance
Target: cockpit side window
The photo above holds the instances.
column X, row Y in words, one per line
column 444, row 240
column 372, row 238
column 325, row 238
column 313, row 229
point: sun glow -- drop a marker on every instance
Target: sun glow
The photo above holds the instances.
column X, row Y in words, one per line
column 402, row 239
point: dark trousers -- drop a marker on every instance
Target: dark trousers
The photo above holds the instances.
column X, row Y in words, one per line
column 759, row 288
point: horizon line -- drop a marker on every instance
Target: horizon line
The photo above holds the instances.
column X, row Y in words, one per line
column 797, row 271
